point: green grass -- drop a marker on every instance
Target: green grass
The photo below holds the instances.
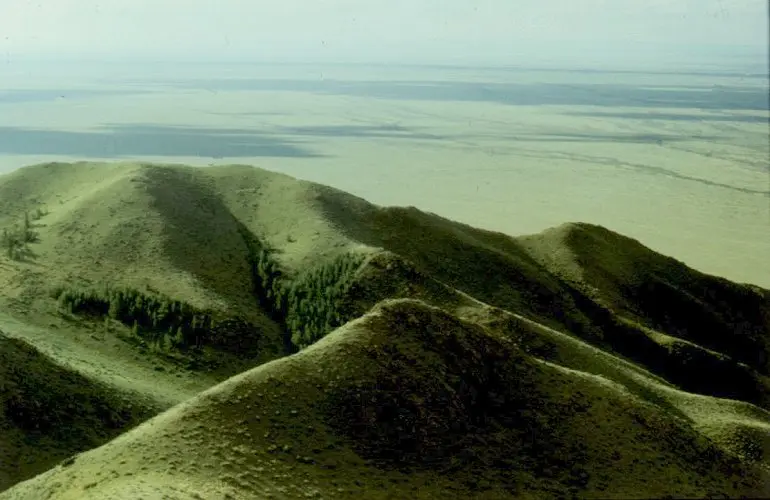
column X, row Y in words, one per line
column 309, row 307
column 659, row 292
column 50, row 412
column 576, row 362
column 16, row 239
column 409, row 401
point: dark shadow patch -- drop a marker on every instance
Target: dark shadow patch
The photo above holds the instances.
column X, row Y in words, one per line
column 139, row 140
column 677, row 117
column 659, row 139
column 393, row 131
column 514, row 94
column 489, row 266
column 42, row 95
column 55, row 411
column 247, row 113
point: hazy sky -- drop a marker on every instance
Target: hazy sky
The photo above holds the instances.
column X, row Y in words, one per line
column 441, row 31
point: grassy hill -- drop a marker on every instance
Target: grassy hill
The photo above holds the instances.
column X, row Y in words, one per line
column 705, row 332
column 411, row 402
column 51, row 412
column 351, row 349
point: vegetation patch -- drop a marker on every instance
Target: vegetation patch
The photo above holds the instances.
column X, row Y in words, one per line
column 162, row 322
column 313, row 302
column 309, row 306
column 15, row 240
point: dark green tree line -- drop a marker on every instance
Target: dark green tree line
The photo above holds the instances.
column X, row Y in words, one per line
column 156, row 318
column 308, row 305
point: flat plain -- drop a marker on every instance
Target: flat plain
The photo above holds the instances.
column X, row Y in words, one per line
column 679, row 161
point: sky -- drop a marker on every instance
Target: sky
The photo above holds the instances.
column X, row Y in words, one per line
column 409, row 31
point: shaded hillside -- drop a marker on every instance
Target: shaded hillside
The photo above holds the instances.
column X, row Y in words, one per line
column 428, row 349
column 488, row 266
column 155, row 231
column 50, row 412
column 538, row 277
column 660, row 292
column 408, row 402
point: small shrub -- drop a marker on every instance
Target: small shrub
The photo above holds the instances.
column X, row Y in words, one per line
column 15, row 240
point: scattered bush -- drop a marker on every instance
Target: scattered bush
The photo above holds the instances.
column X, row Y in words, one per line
column 15, row 241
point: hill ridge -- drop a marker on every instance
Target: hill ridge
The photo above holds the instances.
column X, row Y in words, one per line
column 373, row 324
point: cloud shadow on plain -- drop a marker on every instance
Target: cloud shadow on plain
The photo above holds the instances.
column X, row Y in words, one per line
column 387, row 131
column 513, row 94
column 680, row 117
column 659, row 139
column 118, row 141
column 42, row 95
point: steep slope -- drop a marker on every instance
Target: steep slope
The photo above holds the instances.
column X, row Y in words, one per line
column 555, row 336
column 50, row 412
column 489, row 266
column 736, row 426
column 161, row 231
column 659, row 291
column 140, row 225
column 704, row 333
column 410, row 402
column 279, row 211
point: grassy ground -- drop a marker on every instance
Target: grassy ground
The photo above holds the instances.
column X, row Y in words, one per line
column 364, row 412
column 51, row 412
column 460, row 346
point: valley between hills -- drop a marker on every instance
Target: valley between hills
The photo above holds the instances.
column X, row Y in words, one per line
column 229, row 332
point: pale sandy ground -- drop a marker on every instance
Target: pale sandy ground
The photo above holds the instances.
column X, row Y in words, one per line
column 703, row 197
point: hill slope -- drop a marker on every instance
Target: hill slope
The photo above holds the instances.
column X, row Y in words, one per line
column 660, row 291
column 408, row 401
column 610, row 369
column 51, row 412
